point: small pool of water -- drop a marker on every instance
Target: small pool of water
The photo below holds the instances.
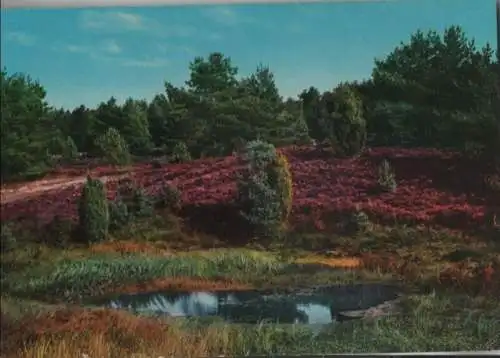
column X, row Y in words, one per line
column 317, row 306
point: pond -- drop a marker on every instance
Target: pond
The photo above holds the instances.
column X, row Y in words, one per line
column 315, row 306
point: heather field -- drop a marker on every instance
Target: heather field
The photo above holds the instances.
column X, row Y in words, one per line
column 434, row 187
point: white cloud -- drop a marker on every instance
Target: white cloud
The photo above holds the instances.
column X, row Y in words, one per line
column 112, row 21
column 21, row 38
column 75, row 48
column 109, row 51
column 146, row 63
column 101, row 51
column 120, row 22
column 164, row 48
column 226, row 16
column 111, row 47
column 179, row 31
column 214, row 36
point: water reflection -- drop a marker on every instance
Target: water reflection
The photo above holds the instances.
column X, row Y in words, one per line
column 314, row 307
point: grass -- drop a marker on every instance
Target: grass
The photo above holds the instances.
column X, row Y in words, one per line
column 43, row 287
column 74, row 278
column 428, row 323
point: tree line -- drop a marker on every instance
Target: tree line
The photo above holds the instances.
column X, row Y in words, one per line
column 435, row 90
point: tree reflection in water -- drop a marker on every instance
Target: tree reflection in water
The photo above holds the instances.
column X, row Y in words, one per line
column 316, row 307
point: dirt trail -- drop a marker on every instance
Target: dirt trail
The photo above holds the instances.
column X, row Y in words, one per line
column 33, row 189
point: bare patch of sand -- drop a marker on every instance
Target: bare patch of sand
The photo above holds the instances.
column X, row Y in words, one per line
column 38, row 187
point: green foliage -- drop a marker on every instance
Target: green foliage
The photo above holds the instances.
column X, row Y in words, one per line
column 360, row 222
column 8, row 240
column 264, row 190
column 132, row 203
column 112, row 147
column 118, row 214
column 345, row 126
column 79, row 277
column 446, row 85
column 180, row 153
column 280, row 178
column 26, row 129
column 64, row 148
column 70, row 151
column 141, row 204
column 258, row 154
column 169, row 198
column 135, row 127
column 386, row 177
column 58, row 232
column 434, row 90
column 93, row 211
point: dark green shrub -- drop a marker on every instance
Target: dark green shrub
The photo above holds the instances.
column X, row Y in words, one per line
column 8, row 241
column 360, row 222
column 58, row 232
column 260, row 205
column 180, row 153
column 125, row 190
column 169, row 198
column 64, row 148
column 113, row 147
column 141, row 204
column 264, row 189
column 118, row 214
column 345, row 127
column 70, row 151
column 386, row 177
column 93, row 211
column 280, row 178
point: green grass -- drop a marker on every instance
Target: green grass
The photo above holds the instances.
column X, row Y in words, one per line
column 433, row 322
column 34, row 274
column 74, row 278
column 427, row 323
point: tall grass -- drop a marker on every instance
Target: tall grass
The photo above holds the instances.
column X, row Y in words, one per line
column 429, row 323
column 85, row 276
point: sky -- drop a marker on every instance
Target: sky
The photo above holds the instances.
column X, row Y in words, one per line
column 86, row 55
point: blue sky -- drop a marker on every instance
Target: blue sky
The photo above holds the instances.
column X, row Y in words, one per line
column 85, row 56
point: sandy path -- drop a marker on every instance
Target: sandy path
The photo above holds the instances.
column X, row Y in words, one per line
column 39, row 187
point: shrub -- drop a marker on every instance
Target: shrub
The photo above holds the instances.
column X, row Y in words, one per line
column 360, row 222
column 8, row 241
column 345, row 127
column 141, row 204
column 386, row 177
column 58, row 232
column 118, row 213
column 169, row 198
column 70, row 151
column 126, row 189
column 264, row 189
column 180, row 153
column 138, row 203
column 258, row 154
column 281, row 179
column 93, row 211
column 113, row 147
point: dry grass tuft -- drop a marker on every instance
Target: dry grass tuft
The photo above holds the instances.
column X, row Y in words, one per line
column 183, row 284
